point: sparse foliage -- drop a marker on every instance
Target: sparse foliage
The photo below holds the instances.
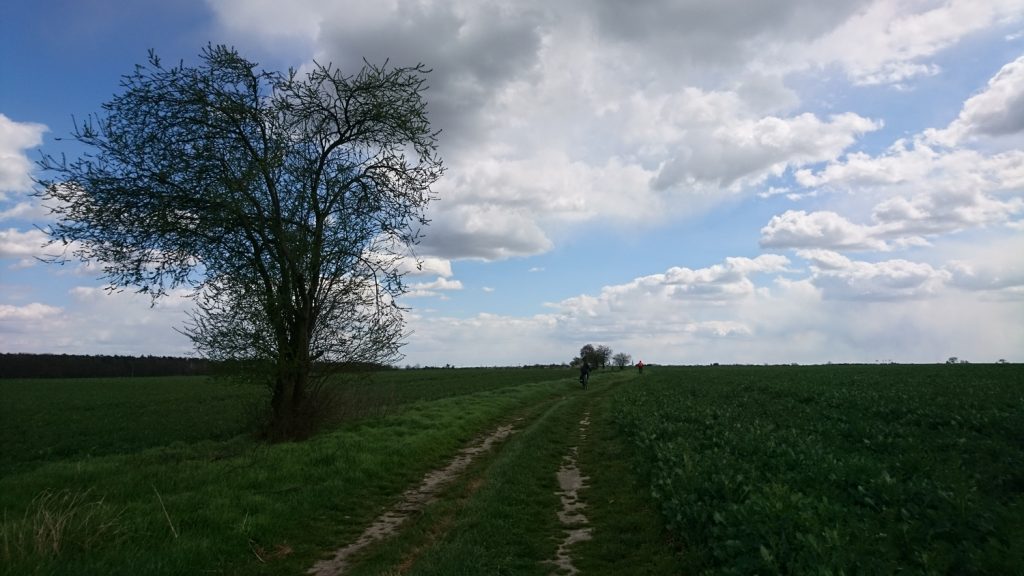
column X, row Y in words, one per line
column 622, row 360
column 283, row 203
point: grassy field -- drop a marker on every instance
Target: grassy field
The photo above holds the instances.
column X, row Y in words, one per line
column 52, row 420
column 159, row 476
column 786, row 470
column 836, row 469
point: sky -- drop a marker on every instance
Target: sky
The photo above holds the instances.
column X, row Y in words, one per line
column 685, row 181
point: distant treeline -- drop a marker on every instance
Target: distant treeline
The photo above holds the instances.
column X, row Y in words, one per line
column 80, row 366
column 76, row 366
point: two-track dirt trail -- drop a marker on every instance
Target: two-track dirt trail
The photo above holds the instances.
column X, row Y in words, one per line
column 413, row 501
column 514, row 501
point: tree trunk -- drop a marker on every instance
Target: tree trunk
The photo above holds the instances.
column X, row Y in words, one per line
column 291, row 415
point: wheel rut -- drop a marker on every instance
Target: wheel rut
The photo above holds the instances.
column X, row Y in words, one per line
column 413, row 500
column 575, row 525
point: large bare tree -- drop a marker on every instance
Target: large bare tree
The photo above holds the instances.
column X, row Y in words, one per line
column 285, row 202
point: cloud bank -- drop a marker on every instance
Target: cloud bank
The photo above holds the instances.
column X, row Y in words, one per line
column 563, row 121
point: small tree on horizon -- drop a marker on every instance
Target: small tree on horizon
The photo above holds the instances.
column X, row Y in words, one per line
column 284, row 204
column 595, row 356
column 587, row 354
column 622, row 360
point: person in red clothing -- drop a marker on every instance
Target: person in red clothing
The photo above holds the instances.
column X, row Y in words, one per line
column 640, row 366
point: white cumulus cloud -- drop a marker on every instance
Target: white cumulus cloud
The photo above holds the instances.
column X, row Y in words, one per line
column 435, row 288
column 841, row 278
column 27, row 313
column 891, row 41
column 95, row 321
column 752, row 310
column 15, row 167
column 755, row 149
column 821, row 229
column 16, row 243
column 996, row 111
column 556, row 115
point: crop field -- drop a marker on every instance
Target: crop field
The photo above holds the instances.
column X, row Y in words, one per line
column 681, row 470
column 830, row 470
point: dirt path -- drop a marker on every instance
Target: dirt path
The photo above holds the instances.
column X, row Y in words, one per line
column 413, row 500
column 574, row 523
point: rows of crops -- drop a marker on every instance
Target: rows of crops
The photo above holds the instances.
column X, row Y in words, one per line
column 835, row 469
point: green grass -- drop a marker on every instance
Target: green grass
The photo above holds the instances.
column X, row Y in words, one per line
column 713, row 470
column 501, row 524
column 221, row 506
column 835, row 469
column 404, row 386
column 52, row 420
column 630, row 537
column 502, row 517
column 510, row 523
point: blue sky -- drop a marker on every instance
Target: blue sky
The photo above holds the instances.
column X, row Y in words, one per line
column 686, row 181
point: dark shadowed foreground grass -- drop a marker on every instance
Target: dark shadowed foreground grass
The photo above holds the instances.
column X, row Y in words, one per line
column 160, row 476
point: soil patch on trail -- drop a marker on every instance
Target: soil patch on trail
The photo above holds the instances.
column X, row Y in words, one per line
column 575, row 524
column 413, row 500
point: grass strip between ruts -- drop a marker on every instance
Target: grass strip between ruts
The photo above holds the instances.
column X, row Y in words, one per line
column 501, row 518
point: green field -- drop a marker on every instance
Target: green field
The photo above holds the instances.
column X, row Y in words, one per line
column 836, row 469
column 722, row 470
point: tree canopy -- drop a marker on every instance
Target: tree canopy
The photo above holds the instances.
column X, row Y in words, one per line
column 285, row 204
column 595, row 356
column 622, row 360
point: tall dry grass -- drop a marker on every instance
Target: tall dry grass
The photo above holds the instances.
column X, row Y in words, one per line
column 57, row 522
